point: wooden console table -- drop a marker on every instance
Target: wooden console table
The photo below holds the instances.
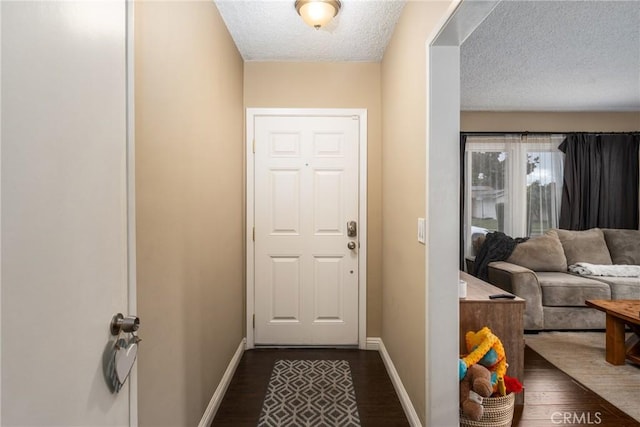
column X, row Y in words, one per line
column 503, row 316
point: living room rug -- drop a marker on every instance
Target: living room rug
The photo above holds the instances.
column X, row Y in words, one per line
column 310, row 393
column 581, row 355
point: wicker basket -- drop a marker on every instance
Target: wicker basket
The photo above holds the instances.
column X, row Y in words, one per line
column 498, row 412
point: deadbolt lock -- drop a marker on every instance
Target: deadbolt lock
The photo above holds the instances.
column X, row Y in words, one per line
column 352, row 229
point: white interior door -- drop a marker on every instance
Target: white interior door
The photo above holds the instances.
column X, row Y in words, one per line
column 306, row 191
column 64, row 209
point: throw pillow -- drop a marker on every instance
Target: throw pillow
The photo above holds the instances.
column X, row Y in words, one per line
column 540, row 253
column 624, row 246
column 585, row 246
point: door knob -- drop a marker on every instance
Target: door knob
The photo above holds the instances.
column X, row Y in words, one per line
column 351, row 245
column 128, row 324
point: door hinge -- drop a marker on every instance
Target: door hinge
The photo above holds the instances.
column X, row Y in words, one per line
column 254, row 321
column 254, row 234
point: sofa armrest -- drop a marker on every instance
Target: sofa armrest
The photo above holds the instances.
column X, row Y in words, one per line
column 470, row 262
column 522, row 282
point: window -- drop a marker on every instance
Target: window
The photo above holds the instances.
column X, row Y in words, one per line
column 513, row 184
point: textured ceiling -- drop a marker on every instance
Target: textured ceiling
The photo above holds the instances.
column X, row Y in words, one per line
column 271, row 30
column 528, row 55
column 554, row 56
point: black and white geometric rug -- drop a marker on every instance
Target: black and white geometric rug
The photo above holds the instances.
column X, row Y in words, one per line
column 310, row 393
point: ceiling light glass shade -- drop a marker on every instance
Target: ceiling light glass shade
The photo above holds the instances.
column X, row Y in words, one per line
column 317, row 13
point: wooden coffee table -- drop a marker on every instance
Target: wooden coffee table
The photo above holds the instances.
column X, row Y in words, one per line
column 620, row 313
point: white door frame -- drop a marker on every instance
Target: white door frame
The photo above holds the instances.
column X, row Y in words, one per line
column 132, row 301
column 443, row 169
column 361, row 113
column 0, row 216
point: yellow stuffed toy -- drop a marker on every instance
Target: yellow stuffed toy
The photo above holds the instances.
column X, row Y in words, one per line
column 486, row 349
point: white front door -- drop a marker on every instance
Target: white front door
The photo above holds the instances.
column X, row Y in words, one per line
column 64, row 210
column 306, row 264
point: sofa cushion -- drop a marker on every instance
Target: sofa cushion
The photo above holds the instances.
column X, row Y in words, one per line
column 567, row 290
column 584, row 246
column 573, row 318
column 623, row 287
column 624, row 246
column 541, row 253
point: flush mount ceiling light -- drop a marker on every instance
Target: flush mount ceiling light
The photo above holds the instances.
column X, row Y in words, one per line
column 317, row 13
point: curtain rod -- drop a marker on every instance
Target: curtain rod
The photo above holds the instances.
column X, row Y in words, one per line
column 547, row 133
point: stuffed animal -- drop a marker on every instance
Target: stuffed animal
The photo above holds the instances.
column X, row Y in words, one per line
column 512, row 385
column 486, row 349
column 475, row 385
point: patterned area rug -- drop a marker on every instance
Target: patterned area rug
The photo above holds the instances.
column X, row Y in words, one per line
column 310, row 393
column 581, row 355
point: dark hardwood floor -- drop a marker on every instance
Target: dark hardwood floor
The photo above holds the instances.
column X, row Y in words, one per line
column 378, row 404
column 552, row 398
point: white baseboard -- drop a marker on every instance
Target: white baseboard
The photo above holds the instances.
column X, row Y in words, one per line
column 375, row 343
column 216, row 399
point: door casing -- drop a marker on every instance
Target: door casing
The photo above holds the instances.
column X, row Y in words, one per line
column 361, row 113
column 132, row 271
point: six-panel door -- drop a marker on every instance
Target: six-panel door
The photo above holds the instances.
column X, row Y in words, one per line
column 306, row 190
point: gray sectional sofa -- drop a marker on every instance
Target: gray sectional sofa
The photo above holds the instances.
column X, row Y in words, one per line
column 555, row 298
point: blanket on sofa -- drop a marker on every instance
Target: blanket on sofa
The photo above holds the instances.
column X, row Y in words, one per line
column 586, row 269
column 497, row 246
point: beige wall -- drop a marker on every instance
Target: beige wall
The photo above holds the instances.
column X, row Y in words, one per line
column 403, row 188
column 479, row 121
column 189, row 196
column 333, row 85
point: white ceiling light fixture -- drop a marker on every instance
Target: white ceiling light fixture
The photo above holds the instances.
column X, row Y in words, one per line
column 317, row 13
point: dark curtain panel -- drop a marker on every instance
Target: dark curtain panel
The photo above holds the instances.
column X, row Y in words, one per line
column 463, row 143
column 600, row 181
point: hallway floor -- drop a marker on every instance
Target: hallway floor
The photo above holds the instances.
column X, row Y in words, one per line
column 549, row 391
column 377, row 401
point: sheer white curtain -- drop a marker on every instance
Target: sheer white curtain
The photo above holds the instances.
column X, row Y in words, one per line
column 544, row 182
column 488, row 187
column 513, row 184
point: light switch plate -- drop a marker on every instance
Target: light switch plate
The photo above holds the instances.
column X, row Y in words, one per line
column 422, row 230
